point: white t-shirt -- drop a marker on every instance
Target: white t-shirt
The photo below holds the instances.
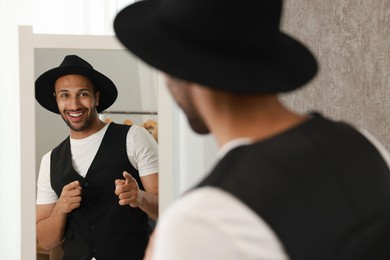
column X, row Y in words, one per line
column 201, row 226
column 141, row 150
column 209, row 223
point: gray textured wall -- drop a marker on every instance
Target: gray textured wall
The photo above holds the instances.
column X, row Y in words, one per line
column 351, row 39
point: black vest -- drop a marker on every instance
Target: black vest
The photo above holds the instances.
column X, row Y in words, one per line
column 322, row 188
column 100, row 227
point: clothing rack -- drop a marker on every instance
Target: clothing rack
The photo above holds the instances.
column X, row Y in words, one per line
column 116, row 112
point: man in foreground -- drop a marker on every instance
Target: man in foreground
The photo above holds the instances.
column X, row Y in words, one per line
column 287, row 186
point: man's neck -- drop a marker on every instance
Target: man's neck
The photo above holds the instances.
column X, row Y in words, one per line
column 94, row 128
column 253, row 118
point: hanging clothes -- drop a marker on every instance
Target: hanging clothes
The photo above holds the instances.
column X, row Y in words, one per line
column 128, row 122
column 151, row 126
column 107, row 120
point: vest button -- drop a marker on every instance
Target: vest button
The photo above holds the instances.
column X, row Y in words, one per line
column 91, row 227
column 86, row 184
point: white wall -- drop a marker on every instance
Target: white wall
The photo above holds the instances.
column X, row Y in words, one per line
column 88, row 17
column 12, row 14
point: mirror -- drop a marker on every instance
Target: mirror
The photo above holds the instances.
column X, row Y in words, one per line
column 42, row 130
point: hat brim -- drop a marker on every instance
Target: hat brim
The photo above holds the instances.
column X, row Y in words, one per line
column 290, row 66
column 44, row 87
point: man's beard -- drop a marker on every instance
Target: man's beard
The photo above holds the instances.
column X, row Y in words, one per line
column 87, row 123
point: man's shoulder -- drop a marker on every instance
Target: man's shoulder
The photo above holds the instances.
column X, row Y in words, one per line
column 46, row 156
column 61, row 145
column 119, row 126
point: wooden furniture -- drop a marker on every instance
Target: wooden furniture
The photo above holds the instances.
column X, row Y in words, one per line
column 53, row 254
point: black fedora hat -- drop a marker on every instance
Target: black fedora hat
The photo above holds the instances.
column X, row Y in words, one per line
column 73, row 64
column 224, row 44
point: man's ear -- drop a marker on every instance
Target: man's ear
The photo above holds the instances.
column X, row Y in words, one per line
column 97, row 97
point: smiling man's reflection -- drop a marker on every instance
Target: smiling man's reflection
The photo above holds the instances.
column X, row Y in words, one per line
column 98, row 188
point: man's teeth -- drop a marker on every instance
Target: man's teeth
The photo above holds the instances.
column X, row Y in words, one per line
column 75, row 114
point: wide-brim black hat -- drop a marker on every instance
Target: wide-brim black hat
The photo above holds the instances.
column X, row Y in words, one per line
column 224, row 44
column 73, row 64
